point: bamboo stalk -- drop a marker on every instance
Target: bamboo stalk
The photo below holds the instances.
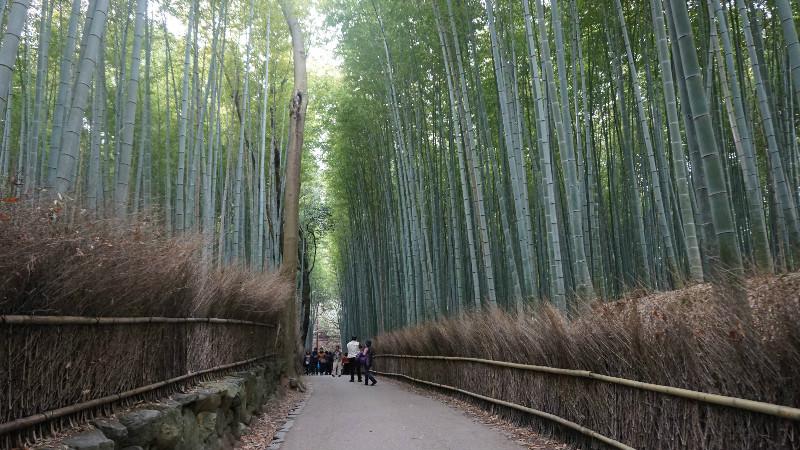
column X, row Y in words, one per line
column 786, row 412
column 36, row 419
column 79, row 320
column 569, row 424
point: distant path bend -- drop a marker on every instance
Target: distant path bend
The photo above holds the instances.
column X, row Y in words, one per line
column 351, row 416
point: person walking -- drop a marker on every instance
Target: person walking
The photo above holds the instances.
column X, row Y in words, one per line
column 368, row 355
column 323, row 361
column 336, row 371
column 307, row 362
column 314, row 361
column 329, row 363
column 352, row 356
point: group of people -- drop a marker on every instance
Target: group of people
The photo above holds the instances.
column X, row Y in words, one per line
column 357, row 359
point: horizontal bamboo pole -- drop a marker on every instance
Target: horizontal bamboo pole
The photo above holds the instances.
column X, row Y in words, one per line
column 80, row 320
column 785, row 412
column 567, row 423
column 36, row 419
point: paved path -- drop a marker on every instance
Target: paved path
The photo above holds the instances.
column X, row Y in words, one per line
column 351, row 416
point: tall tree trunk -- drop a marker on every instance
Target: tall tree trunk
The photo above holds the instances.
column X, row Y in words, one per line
column 468, row 126
column 663, row 219
column 180, row 190
column 728, row 279
column 238, row 194
column 792, row 45
column 94, row 183
column 297, row 111
column 122, row 191
column 691, row 246
column 744, row 148
column 563, row 125
column 262, row 198
column 784, row 197
column 10, row 45
column 518, row 179
column 68, row 158
column 558, row 295
column 32, row 176
column 167, row 179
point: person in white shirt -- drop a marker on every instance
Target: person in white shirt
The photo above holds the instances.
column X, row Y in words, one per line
column 352, row 356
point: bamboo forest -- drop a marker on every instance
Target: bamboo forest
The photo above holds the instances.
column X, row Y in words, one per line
column 576, row 219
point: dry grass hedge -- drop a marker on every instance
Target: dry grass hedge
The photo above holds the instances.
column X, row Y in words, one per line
column 681, row 339
column 83, row 267
column 107, row 268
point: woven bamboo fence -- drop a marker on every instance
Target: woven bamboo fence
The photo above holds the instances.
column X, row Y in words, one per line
column 56, row 371
column 599, row 411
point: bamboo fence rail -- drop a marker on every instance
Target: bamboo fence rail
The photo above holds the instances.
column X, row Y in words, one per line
column 80, row 320
column 567, row 423
column 785, row 412
column 36, row 419
column 41, row 354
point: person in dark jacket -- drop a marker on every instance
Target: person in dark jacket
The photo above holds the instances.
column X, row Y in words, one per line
column 323, row 361
column 368, row 355
column 307, row 362
column 314, row 361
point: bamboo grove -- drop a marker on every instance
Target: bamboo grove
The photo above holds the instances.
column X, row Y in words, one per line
column 171, row 111
column 516, row 152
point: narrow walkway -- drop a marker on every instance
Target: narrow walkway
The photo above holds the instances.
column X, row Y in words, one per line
column 351, row 416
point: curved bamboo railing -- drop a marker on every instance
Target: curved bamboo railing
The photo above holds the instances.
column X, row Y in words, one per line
column 785, row 412
column 80, row 320
column 24, row 423
column 567, row 423
column 36, row 419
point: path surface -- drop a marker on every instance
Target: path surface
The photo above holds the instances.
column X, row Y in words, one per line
column 351, row 416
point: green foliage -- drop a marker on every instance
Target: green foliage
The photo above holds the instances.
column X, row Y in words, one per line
column 398, row 155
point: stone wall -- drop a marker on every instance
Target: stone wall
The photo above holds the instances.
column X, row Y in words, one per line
column 211, row 416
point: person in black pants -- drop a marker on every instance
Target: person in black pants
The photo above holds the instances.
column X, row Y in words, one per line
column 307, row 363
column 352, row 357
column 368, row 355
column 314, row 361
